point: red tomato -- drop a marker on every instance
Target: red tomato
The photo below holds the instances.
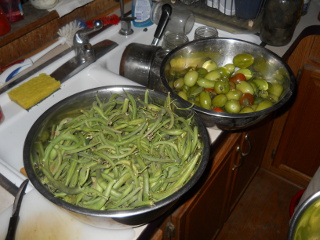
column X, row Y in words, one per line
column 238, row 77
column 217, row 109
column 246, row 99
column 209, row 89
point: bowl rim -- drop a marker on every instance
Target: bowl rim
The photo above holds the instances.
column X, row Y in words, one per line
column 113, row 213
column 283, row 100
column 298, row 214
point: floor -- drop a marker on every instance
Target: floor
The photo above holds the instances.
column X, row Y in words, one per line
column 263, row 211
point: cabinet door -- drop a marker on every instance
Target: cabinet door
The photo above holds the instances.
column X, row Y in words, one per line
column 298, row 154
column 249, row 157
column 203, row 215
column 293, row 151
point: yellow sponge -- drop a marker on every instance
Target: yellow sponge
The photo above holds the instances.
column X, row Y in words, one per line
column 35, row 90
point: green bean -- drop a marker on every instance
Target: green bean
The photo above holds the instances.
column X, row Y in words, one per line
column 83, row 176
column 95, row 204
column 100, row 180
column 60, row 186
column 121, row 180
column 70, row 173
column 127, row 197
column 60, row 169
column 56, row 141
column 154, row 159
column 178, row 184
column 121, row 153
column 134, row 106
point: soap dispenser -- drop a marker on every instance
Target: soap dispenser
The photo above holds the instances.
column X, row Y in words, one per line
column 141, row 11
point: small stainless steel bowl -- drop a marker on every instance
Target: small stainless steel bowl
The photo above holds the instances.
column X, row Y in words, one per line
column 225, row 49
column 111, row 219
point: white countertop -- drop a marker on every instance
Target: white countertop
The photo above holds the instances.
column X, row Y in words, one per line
column 38, row 216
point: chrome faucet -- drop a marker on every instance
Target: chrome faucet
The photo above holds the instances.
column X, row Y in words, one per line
column 125, row 21
column 81, row 42
column 85, row 52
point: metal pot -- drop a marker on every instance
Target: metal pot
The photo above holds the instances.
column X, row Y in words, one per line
column 121, row 218
column 304, row 223
column 225, row 49
column 137, row 58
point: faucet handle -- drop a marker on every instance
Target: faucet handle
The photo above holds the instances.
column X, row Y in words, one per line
column 82, row 36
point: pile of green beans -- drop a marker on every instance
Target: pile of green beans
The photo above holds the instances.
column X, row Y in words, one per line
column 122, row 153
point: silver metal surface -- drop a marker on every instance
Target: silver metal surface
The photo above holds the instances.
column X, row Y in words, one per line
column 13, row 82
column 79, row 62
column 312, row 203
column 15, row 211
column 85, row 99
column 225, row 50
column 136, row 59
column 125, row 21
column 8, row 185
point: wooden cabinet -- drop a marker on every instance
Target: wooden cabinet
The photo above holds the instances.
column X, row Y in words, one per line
column 235, row 160
column 293, row 150
column 249, row 157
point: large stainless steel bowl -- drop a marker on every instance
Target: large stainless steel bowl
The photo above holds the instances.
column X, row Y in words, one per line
column 225, row 49
column 110, row 219
column 305, row 221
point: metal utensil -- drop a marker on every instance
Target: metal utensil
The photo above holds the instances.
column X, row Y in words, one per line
column 15, row 81
column 137, row 58
column 15, row 211
column 8, row 185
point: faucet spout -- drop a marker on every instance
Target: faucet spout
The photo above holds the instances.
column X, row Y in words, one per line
column 125, row 21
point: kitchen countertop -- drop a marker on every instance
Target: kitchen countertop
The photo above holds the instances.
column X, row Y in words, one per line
column 59, row 217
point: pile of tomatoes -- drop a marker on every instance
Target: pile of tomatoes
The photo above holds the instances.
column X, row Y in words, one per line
column 232, row 88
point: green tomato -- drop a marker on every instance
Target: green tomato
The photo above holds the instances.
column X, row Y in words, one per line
column 202, row 82
column 243, row 60
column 219, row 100
column 261, row 83
column 205, row 100
column 210, row 65
column 263, row 93
column 183, row 95
column 246, row 110
column 191, row 78
column 177, row 84
column 213, row 75
column 275, row 89
column 254, row 86
column 232, row 106
column 246, row 72
column 234, row 94
column 263, row 105
column 202, row 72
column 230, row 67
column 195, row 91
column 224, row 72
column 222, row 87
column 273, row 98
column 245, row 87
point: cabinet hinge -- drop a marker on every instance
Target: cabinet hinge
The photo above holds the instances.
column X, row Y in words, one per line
column 170, row 230
column 273, row 154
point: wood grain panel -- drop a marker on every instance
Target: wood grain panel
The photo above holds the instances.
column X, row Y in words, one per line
column 37, row 35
